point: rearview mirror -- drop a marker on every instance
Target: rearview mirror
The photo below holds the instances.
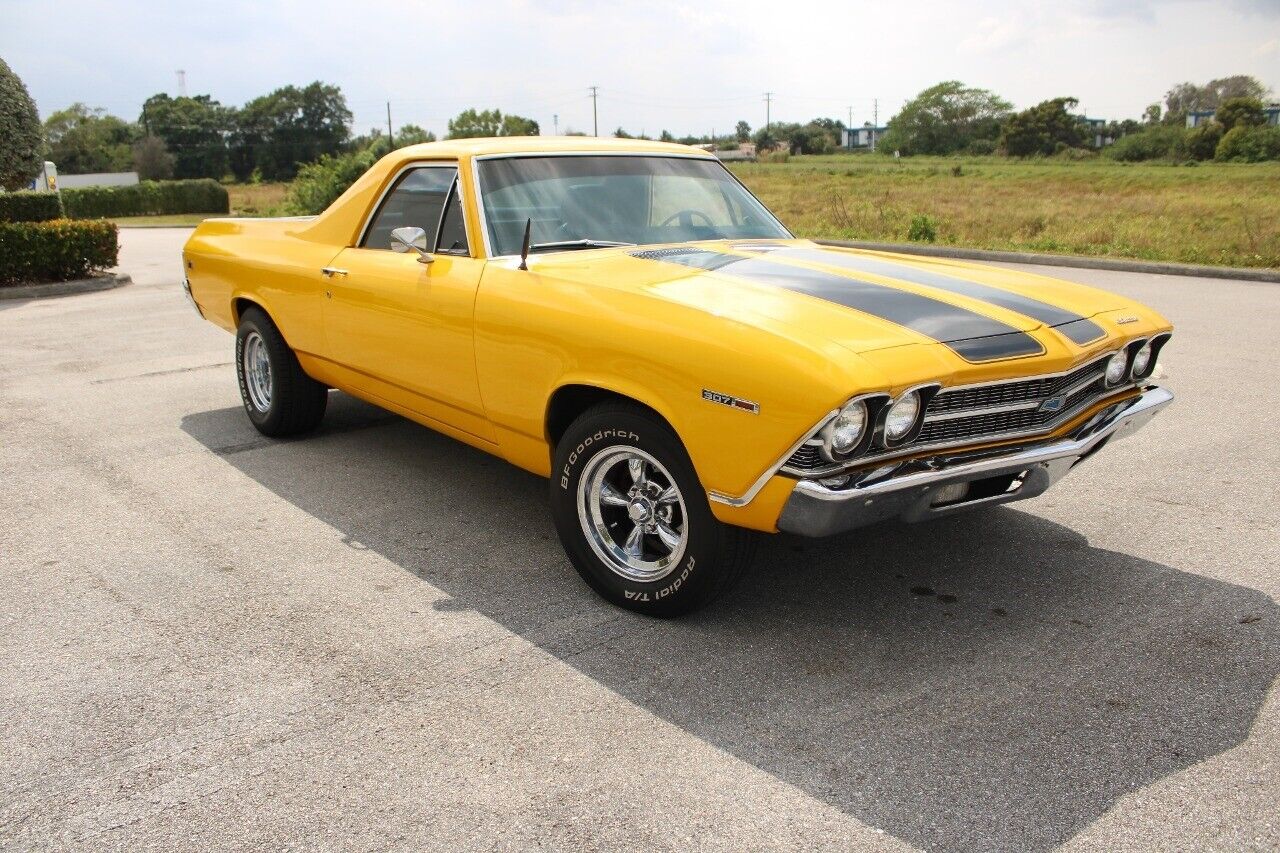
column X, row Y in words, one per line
column 411, row 239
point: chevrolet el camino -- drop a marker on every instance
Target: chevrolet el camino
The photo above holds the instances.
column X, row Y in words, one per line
column 626, row 319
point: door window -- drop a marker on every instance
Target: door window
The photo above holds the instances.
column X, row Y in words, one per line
column 453, row 230
column 417, row 200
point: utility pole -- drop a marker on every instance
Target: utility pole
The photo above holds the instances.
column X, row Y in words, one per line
column 555, row 121
column 595, row 121
column 391, row 140
column 875, row 121
column 848, row 130
column 768, row 102
column 182, row 83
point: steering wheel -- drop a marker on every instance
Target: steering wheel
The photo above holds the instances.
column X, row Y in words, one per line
column 686, row 218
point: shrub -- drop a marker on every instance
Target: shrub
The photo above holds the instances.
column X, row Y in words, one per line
column 29, row 207
column 57, row 250
column 922, row 230
column 1202, row 142
column 319, row 183
column 1249, row 144
column 21, row 134
column 148, row 198
column 1154, row 143
column 981, row 147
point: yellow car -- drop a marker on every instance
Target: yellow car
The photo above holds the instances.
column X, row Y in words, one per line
column 625, row 318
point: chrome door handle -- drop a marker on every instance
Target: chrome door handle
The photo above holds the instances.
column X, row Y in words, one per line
column 332, row 271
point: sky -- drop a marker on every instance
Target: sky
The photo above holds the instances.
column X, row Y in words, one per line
column 690, row 67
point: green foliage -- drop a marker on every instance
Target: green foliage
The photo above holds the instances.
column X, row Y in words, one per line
column 981, row 147
column 1042, row 129
column 1154, row 143
column 471, row 123
column 1201, row 142
column 1240, row 112
column 84, row 140
column 149, row 198
column 922, row 229
column 411, row 134
column 1188, row 97
column 25, row 206
column 1245, row 144
column 194, row 129
column 318, row 184
column 152, row 160
column 944, row 119
column 57, row 250
column 743, row 131
column 21, row 141
column 277, row 132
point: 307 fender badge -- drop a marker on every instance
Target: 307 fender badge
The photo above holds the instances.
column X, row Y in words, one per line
column 731, row 401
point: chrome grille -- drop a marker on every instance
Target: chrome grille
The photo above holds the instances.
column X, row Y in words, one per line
column 1003, row 410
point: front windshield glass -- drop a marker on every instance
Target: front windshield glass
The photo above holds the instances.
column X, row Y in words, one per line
column 616, row 199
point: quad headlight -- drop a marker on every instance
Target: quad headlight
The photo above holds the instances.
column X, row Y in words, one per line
column 848, row 427
column 1117, row 367
column 902, row 415
column 1142, row 361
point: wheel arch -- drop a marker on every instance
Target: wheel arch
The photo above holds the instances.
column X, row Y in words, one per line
column 572, row 398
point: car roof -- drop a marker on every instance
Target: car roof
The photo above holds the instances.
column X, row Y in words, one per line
column 462, row 148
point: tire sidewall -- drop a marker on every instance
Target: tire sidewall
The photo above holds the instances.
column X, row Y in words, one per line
column 253, row 322
column 692, row 581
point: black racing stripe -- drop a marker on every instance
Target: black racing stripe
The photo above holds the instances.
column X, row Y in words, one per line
column 1080, row 330
column 972, row 336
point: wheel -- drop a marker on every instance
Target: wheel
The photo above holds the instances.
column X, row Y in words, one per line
column 634, row 519
column 279, row 397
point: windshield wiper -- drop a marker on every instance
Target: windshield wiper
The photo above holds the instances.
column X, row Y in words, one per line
column 579, row 244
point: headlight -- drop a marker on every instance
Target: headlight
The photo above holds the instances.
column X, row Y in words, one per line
column 1116, row 367
column 847, row 428
column 902, row 416
column 1142, row 360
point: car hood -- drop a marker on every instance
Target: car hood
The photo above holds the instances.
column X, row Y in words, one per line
column 863, row 300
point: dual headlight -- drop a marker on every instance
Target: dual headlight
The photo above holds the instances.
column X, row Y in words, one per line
column 851, row 429
column 1134, row 361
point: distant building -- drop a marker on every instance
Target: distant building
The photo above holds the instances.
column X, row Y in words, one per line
column 1098, row 131
column 861, row 137
column 1195, row 118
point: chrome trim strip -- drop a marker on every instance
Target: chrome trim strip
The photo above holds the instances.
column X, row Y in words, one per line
column 395, row 179
column 524, row 155
column 987, row 410
column 749, row 495
column 1028, row 378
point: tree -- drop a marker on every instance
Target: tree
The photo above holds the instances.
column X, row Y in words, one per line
column 1042, row 129
column 1202, row 142
column 622, row 134
column 151, row 159
column 411, row 134
column 1151, row 115
column 275, row 133
column 194, row 128
column 1240, row 112
column 21, row 143
column 471, row 123
column 743, row 131
column 944, row 119
column 1188, row 97
column 84, row 140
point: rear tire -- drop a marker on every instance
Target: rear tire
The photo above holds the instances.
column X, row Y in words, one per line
column 279, row 397
column 633, row 516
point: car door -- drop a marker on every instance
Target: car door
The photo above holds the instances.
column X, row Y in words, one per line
column 401, row 328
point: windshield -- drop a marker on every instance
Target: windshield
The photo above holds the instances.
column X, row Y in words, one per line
column 611, row 199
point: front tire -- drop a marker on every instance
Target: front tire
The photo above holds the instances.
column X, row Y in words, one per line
column 633, row 516
column 279, row 397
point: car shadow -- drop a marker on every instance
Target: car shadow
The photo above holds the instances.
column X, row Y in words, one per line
column 986, row 681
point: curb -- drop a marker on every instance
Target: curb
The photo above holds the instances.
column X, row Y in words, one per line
column 65, row 288
column 1088, row 263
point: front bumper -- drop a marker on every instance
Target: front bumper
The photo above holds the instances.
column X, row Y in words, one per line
column 917, row 489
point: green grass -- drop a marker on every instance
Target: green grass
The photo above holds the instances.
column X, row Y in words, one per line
column 173, row 221
column 245, row 199
column 1215, row 213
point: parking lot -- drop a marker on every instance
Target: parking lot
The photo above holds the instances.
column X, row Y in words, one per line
column 370, row 638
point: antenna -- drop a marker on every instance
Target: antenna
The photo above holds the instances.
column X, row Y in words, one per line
column 182, row 83
column 524, row 247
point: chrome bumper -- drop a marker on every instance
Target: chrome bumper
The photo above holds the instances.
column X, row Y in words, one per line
column 913, row 490
column 186, row 288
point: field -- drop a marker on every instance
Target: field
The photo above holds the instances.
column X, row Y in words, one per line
column 1217, row 213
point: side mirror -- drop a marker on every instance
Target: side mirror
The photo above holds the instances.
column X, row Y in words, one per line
column 410, row 239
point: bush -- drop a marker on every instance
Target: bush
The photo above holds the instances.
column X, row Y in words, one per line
column 27, row 206
column 1154, row 143
column 148, row 198
column 58, row 250
column 21, row 135
column 1202, row 142
column 1249, row 144
column 981, row 147
column 922, row 230
column 319, row 183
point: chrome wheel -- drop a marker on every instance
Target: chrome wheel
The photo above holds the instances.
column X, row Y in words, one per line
column 257, row 371
column 633, row 514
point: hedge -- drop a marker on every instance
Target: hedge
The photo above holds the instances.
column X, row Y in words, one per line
column 27, row 206
column 58, row 250
column 148, row 198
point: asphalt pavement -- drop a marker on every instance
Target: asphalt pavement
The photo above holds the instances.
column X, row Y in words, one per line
column 370, row 639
